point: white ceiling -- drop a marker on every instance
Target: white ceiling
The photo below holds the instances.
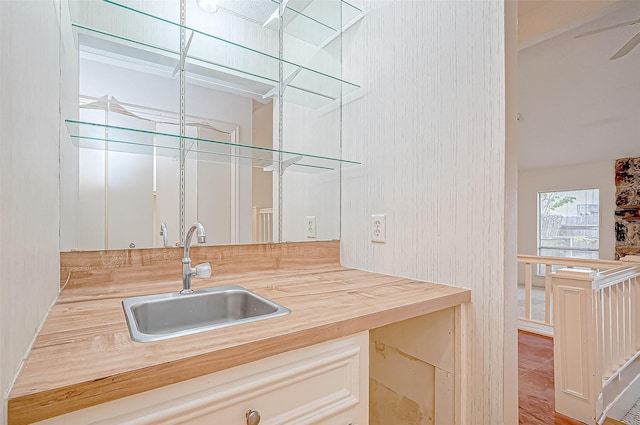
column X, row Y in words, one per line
column 575, row 104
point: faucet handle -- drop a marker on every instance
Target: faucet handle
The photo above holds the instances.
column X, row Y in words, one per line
column 203, row 270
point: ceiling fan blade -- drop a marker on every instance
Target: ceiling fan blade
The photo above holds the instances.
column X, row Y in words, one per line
column 627, row 47
column 610, row 27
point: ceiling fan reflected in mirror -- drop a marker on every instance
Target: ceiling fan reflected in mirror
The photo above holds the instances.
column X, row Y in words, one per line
column 635, row 40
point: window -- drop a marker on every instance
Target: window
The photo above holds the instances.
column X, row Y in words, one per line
column 569, row 223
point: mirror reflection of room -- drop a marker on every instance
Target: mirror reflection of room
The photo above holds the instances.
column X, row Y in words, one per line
column 131, row 187
column 250, row 99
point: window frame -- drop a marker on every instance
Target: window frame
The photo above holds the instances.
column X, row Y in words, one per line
column 539, row 217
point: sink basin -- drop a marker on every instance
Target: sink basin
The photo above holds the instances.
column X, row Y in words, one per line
column 162, row 316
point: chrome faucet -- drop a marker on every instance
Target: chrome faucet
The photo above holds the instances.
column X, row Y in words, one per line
column 164, row 234
column 201, row 270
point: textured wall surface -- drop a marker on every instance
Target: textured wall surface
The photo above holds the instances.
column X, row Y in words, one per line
column 29, row 205
column 430, row 131
column 510, row 347
column 627, row 213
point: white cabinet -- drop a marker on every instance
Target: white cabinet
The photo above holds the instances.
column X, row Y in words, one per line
column 322, row 384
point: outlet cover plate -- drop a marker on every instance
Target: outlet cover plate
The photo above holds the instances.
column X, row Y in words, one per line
column 378, row 228
column 311, row 227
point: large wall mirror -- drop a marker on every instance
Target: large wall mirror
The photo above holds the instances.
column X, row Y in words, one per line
column 235, row 123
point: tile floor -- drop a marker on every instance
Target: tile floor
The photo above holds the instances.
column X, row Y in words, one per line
column 535, row 382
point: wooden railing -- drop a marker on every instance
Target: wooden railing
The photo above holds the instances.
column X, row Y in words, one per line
column 531, row 265
column 596, row 341
column 262, row 225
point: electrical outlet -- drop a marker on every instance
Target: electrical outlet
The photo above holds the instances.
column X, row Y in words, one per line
column 378, row 228
column 311, row 226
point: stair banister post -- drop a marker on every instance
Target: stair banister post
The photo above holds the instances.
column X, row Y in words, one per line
column 576, row 359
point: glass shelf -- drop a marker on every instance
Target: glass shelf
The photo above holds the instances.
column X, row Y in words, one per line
column 319, row 11
column 315, row 22
column 216, row 59
column 156, row 57
column 88, row 135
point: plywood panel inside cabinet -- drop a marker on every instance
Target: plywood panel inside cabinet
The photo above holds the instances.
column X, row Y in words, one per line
column 411, row 370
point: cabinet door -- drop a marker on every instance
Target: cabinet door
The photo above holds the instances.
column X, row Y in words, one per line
column 323, row 384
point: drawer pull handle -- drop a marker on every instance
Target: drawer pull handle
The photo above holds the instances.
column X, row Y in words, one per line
column 253, row 417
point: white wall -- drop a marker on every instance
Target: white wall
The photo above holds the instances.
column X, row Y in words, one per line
column 68, row 153
column 430, row 131
column 593, row 175
column 29, row 171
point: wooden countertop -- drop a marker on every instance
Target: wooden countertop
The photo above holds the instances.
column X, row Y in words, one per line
column 84, row 356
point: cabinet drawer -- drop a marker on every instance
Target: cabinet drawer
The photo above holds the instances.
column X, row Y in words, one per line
column 305, row 392
column 323, row 384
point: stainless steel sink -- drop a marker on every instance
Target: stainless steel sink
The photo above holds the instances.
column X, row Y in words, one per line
column 156, row 317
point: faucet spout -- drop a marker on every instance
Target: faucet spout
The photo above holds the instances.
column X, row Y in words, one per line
column 187, row 270
column 164, row 234
column 202, row 237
